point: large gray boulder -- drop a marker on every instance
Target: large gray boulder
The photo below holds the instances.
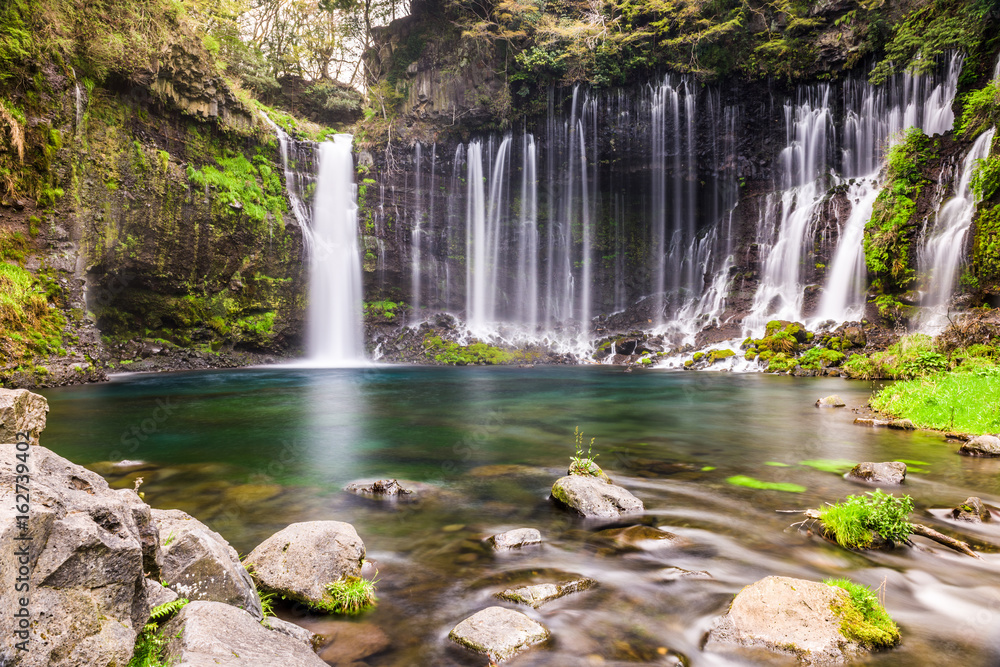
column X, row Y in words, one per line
column 21, row 411
column 198, row 564
column 983, row 445
column 790, row 616
column 592, row 497
column 85, row 557
column 213, row 634
column 300, row 560
column 888, row 472
column 498, row 633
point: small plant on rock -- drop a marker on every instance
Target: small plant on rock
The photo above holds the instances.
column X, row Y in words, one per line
column 150, row 643
column 863, row 618
column 349, row 595
column 855, row 522
column 582, row 463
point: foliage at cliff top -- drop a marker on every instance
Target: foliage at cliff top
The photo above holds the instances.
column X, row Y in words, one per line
column 612, row 43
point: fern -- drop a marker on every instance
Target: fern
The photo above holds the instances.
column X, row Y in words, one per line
column 167, row 609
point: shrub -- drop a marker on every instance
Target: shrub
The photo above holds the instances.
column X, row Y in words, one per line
column 854, row 522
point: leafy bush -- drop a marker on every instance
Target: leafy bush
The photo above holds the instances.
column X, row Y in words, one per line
column 854, row 522
column 864, row 619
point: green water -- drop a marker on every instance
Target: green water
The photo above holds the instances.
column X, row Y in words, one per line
column 251, row 451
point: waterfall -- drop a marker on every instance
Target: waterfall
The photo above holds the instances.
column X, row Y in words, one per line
column 996, row 71
column 335, row 294
column 941, row 254
column 809, row 125
column 293, row 184
column 527, row 248
column 416, row 237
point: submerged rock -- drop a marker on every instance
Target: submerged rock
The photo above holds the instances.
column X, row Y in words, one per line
column 983, row 445
column 198, row 564
column 972, row 510
column 515, row 539
column 212, row 634
column 498, row 633
column 889, row 472
column 392, row 489
column 832, row 401
column 21, row 411
column 670, row 574
column 346, row 643
column 638, row 538
column 591, row 497
column 898, row 424
column 301, row 559
column 88, row 546
column 791, row 616
column 380, row 487
column 538, row 594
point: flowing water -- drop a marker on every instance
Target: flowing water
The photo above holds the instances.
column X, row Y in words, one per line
column 253, row 450
column 335, row 337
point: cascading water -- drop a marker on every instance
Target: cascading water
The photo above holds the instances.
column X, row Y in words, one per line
column 417, row 237
column 335, row 291
column 293, row 178
column 942, row 250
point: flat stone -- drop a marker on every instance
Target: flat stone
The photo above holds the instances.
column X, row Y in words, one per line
column 515, row 539
column 592, row 497
column 301, row 559
column 983, row 445
column 972, row 511
column 213, row 634
column 538, row 594
column 898, row 424
column 902, row 425
column 21, row 411
column 669, row 574
column 498, row 632
column 790, row 616
column 832, row 401
column 888, row 472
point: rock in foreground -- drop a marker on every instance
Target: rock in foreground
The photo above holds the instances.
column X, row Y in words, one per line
column 888, row 472
column 515, row 539
column 591, row 497
column 498, row 633
column 21, row 412
column 832, row 401
column 300, row 560
column 983, row 445
column 88, row 545
column 198, row 564
column 790, row 616
column 213, row 634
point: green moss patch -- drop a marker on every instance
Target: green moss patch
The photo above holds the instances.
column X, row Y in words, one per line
column 862, row 617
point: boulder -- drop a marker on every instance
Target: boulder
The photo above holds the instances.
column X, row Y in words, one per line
column 301, row 559
column 790, row 616
column 158, row 594
column 591, row 497
column 85, row 557
column 213, row 634
column 983, row 445
column 972, row 510
column 306, row 637
column 515, row 539
column 832, row 401
column 538, row 594
column 198, row 564
column 21, row 411
column 498, row 632
column 888, row 472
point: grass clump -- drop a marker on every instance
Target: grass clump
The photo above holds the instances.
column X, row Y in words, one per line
column 150, row 643
column 349, row 595
column 582, row 463
column 964, row 400
column 863, row 618
column 751, row 483
column 855, row 522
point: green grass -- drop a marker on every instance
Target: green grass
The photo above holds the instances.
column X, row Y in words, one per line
column 965, row 401
column 751, row 483
column 349, row 595
column 864, row 619
column 854, row 521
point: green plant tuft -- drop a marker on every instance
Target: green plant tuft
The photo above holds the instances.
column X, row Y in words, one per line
column 855, row 522
column 582, row 463
column 349, row 595
column 862, row 617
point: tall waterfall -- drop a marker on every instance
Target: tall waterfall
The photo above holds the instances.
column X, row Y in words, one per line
column 290, row 154
column 335, row 294
column 941, row 253
column 873, row 117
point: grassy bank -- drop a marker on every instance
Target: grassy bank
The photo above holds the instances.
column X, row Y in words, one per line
column 966, row 401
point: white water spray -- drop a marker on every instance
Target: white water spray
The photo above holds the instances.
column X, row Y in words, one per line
column 335, row 293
